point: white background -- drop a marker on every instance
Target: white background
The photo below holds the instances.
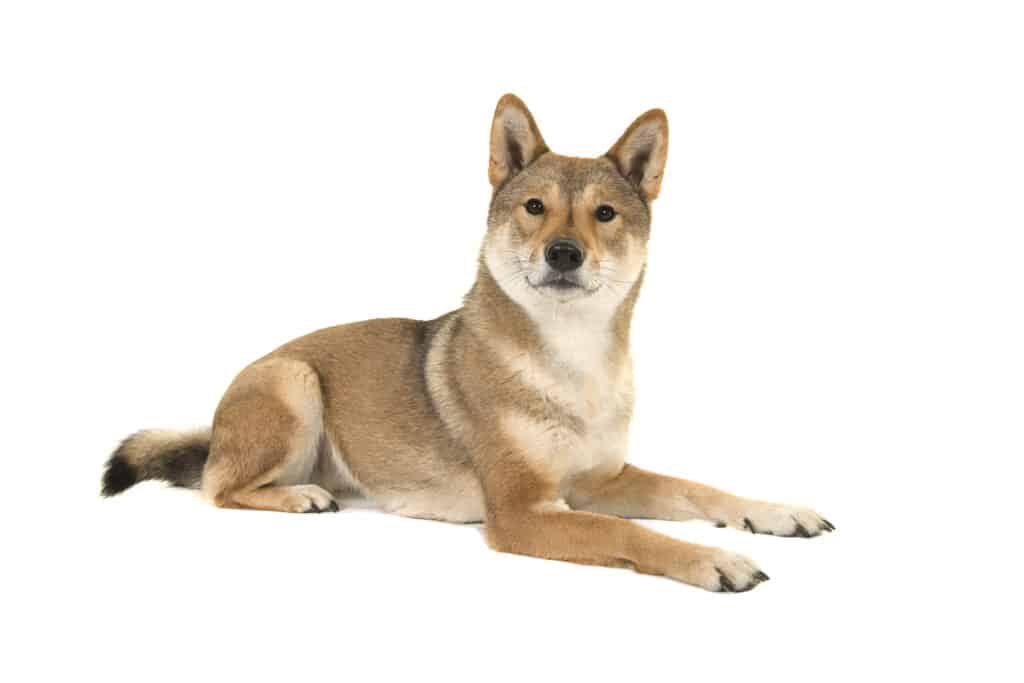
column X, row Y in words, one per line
column 832, row 316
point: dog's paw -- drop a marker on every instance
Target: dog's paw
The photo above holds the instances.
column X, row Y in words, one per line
column 312, row 498
column 778, row 520
column 721, row 571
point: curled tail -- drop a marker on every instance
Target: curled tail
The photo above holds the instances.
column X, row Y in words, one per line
column 175, row 457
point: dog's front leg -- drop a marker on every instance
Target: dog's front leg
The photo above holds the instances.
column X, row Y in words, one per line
column 526, row 517
column 634, row 492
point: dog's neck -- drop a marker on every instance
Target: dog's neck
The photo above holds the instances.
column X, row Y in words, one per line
column 577, row 333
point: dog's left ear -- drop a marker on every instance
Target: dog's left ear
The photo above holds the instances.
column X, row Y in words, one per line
column 516, row 141
column 641, row 152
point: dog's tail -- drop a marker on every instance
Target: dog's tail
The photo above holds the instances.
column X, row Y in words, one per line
column 175, row 457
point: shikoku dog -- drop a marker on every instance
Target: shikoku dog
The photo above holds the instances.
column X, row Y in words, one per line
column 512, row 410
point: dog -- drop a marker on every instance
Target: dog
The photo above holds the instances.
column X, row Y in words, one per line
column 512, row 410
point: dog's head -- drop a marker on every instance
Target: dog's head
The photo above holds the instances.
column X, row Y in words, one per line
column 564, row 230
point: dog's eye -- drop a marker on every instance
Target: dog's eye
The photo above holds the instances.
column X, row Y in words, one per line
column 604, row 213
column 534, row 206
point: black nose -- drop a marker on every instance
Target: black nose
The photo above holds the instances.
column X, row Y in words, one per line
column 564, row 255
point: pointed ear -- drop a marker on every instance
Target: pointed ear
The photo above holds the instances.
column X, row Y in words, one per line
column 641, row 152
column 516, row 141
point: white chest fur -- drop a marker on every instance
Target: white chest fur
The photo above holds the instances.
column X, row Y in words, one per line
column 590, row 395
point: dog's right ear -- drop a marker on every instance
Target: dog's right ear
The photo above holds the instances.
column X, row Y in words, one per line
column 516, row 141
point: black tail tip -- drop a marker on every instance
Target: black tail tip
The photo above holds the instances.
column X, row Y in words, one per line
column 118, row 476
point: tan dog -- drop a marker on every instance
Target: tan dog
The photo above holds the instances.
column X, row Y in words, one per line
column 512, row 410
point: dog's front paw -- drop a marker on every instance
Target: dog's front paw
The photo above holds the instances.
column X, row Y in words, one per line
column 778, row 520
column 721, row 571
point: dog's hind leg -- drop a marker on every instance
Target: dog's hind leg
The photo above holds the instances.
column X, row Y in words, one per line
column 266, row 439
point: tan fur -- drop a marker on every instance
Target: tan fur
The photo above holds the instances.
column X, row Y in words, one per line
column 141, row 446
column 513, row 410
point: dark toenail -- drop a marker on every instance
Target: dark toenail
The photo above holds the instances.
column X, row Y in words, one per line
column 801, row 531
column 761, row 576
column 720, row 525
column 724, row 584
column 749, row 525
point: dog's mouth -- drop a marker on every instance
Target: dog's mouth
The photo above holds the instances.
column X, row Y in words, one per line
column 561, row 284
column 560, row 281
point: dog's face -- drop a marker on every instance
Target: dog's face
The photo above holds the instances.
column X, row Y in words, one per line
column 564, row 230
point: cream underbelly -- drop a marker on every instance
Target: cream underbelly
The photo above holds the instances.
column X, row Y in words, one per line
column 460, row 498
column 454, row 497
column 463, row 503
